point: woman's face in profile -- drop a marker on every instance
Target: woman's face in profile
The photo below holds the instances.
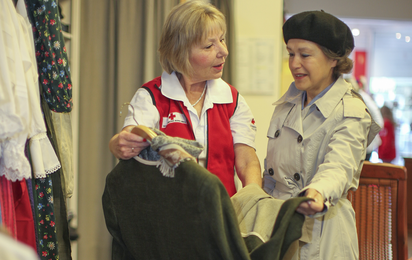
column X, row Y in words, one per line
column 208, row 57
column 310, row 67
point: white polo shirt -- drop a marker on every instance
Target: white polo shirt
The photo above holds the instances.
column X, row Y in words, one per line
column 242, row 122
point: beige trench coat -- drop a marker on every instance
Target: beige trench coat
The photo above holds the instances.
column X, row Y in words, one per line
column 321, row 147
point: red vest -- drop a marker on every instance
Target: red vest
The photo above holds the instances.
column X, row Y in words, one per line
column 175, row 121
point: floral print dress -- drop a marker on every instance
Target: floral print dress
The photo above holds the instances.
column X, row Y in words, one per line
column 51, row 54
column 46, row 230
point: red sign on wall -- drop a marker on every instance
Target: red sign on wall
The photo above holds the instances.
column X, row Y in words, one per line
column 360, row 64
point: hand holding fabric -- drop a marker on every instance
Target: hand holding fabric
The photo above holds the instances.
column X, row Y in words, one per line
column 311, row 207
column 194, row 148
column 126, row 145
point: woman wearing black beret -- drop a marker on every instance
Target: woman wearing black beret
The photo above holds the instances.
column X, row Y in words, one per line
column 318, row 135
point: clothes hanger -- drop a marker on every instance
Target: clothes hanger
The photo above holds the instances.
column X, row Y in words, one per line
column 144, row 132
column 172, row 153
column 140, row 130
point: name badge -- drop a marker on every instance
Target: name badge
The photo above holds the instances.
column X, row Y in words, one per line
column 173, row 117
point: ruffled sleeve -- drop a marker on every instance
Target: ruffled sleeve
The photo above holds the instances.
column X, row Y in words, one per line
column 43, row 157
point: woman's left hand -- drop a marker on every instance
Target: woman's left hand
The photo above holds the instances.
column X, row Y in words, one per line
column 311, row 207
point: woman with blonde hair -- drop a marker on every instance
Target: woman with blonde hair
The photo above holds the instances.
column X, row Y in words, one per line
column 191, row 101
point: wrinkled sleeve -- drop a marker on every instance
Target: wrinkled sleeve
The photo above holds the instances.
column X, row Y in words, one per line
column 341, row 168
column 142, row 111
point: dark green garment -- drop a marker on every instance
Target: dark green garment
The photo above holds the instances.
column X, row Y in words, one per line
column 51, row 54
column 154, row 217
column 59, row 200
column 47, row 246
column 288, row 228
column 189, row 216
column 276, row 221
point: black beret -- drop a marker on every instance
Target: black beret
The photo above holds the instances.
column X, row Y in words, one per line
column 321, row 28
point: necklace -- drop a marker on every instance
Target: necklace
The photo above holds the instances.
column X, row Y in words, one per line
column 204, row 90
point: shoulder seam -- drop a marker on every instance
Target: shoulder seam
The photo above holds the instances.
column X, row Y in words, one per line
column 151, row 94
column 237, row 103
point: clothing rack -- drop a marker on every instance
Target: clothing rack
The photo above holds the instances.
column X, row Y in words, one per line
column 33, row 184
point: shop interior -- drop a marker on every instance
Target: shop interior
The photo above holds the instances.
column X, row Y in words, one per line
column 387, row 45
column 388, row 55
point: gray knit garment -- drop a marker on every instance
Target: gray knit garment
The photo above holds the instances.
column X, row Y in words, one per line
column 160, row 141
column 192, row 147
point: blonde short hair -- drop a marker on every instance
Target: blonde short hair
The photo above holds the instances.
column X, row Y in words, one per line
column 343, row 65
column 187, row 25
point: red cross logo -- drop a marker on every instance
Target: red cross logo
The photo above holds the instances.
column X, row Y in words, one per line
column 253, row 121
column 171, row 116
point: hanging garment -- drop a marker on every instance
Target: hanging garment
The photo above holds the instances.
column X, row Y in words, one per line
column 47, row 244
column 13, row 163
column 60, row 215
column 21, row 72
column 43, row 158
column 29, row 183
column 59, row 199
column 51, row 54
column 62, row 126
column 7, row 206
column 10, row 121
column 24, row 216
column 1, row 212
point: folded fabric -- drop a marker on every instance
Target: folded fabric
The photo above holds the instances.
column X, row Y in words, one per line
column 194, row 148
column 256, row 211
column 269, row 226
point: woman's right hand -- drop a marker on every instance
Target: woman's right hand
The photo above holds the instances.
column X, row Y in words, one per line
column 311, row 207
column 126, row 145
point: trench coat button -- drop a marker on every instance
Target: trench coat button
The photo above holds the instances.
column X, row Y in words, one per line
column 271, row 172
column 277, row 133
column 300, row 139
column 296, row 176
